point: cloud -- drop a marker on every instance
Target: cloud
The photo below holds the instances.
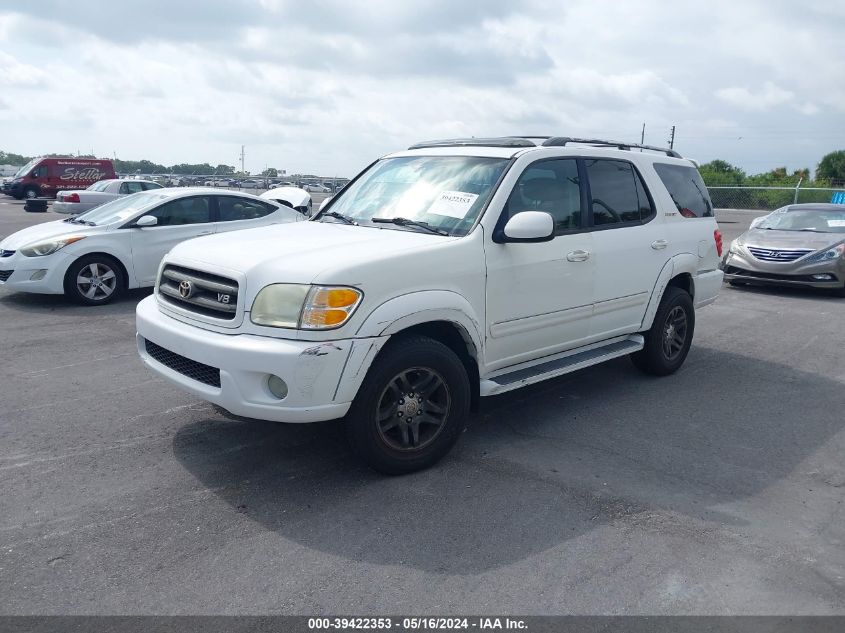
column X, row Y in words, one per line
column 15, row 73
column 765, row 98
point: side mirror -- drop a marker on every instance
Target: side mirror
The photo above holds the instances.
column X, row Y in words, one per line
column 146, row 220
column 325, row 202
column 530, row 226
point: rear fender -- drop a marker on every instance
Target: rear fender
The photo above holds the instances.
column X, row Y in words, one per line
column 678, row 265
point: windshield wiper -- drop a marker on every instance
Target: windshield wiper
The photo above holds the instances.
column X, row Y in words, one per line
column 339, row 216
column 407, row 222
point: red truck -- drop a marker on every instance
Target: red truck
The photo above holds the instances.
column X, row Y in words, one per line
column 47, row 176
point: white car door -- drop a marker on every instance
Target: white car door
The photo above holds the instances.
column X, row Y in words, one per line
column 235, row 213
column 178, row 220
column 630, row 246
column 540, row 295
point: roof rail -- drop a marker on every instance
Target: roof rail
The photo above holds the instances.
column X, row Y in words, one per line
column 508, row 141
column 560, row 141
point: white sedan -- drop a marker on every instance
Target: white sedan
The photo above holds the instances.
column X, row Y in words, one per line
column 95, row 256
column 293, row 197
column 80, row 200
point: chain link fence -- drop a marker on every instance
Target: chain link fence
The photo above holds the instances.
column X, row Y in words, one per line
column 769, row 198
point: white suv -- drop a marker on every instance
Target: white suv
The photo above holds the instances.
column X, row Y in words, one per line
column 450, row 271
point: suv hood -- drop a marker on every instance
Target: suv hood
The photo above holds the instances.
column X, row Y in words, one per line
column 786, row 240
column 299, row 252
column 42, row 232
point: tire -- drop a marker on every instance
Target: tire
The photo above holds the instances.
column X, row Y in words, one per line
column 109, row 281
column 737, row 284
column 31, row 192
column 375, row 426
column 668, row 341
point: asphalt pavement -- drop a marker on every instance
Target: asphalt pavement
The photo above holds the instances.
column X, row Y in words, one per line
column 716, row 490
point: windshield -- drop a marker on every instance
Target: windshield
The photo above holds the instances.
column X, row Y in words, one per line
column 23, row 171
column 100, row 186
column 445, row 192
column 121, row 209
column 819, row 220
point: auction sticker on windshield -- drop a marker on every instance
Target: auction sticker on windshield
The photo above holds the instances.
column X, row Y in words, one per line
column 454, row 204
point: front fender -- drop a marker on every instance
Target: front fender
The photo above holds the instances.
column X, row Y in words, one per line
column 400, row 313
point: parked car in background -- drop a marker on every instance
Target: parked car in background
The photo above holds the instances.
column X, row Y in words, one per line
column 45, row 177
column 447, row 272
column 94, row 256
column 79, row 201
column 251, row 184
column 796, row 245
column 316, row 188
column 293, row 197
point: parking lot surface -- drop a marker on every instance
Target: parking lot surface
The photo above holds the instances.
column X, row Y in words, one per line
column 716, row 490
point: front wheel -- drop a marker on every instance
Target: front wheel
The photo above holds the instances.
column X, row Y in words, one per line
column 411, row 407
column 30, row 192
column 668, row 341
column 94, row 280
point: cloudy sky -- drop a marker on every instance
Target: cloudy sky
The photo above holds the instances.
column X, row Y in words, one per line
column 326, row 86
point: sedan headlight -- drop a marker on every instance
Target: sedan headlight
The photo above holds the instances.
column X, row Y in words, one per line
column 49, row 247
column 305, row 307
column 824, row 256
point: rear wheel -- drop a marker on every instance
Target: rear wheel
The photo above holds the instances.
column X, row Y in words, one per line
column 94, row 280
column 668, row 341
column 411, row 407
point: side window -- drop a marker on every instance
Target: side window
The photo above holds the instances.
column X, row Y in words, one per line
column 130, row 187
column 40, row 172
column 551, row 186
column 687, row 189
column 617, row 192
column 151, row 185
column 232, row 208
column 194, row 210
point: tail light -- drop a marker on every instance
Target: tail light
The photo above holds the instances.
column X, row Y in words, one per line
column 717, row 236
column 70, row 197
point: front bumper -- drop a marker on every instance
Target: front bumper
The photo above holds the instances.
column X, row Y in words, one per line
column 740, row 266
column 311, row 370
column 24, row 274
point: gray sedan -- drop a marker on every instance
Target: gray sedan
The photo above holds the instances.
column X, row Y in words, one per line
column 796, row 245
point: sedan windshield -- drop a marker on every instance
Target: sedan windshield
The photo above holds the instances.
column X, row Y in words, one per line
column 445, row 193
column 121, row 209
column 814, row 220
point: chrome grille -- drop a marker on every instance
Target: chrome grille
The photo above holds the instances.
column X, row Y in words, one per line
column 200, row 292
column 774, row 255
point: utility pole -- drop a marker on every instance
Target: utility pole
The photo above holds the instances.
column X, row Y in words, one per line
column 242, row 159
column 642, row 136
column 672, row 139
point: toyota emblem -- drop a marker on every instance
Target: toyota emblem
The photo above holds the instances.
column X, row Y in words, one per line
column 185, row 289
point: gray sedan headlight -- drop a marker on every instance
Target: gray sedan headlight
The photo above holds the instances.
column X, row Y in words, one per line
column 49, row 247
column 279, row 305
column 829, row 254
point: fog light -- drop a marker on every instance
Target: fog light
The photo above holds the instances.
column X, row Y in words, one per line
column 277, row 387
column 38, row 275
column 823, row 277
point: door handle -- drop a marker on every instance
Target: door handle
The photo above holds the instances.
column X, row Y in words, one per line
column 578, row 256
column 659, row 245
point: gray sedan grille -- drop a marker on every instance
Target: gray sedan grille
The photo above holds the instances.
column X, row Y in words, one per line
column 773, row 255
column 197, row 291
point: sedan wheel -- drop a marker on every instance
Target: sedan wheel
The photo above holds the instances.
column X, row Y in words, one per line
column 93, row 280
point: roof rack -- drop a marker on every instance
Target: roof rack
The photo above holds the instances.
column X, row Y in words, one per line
column 508, row 141
column 560, row 141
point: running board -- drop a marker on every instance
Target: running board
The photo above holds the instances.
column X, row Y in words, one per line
column 572, row 361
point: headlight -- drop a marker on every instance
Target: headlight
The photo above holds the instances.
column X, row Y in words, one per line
column 49, row 247
column 734, row 249
column 824, row 256
column 305, row 307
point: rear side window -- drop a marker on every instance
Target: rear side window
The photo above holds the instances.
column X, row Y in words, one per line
column 131, row 187
column 151, row 185
column 232, row 209
column 617, row 194
column 687, row 189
